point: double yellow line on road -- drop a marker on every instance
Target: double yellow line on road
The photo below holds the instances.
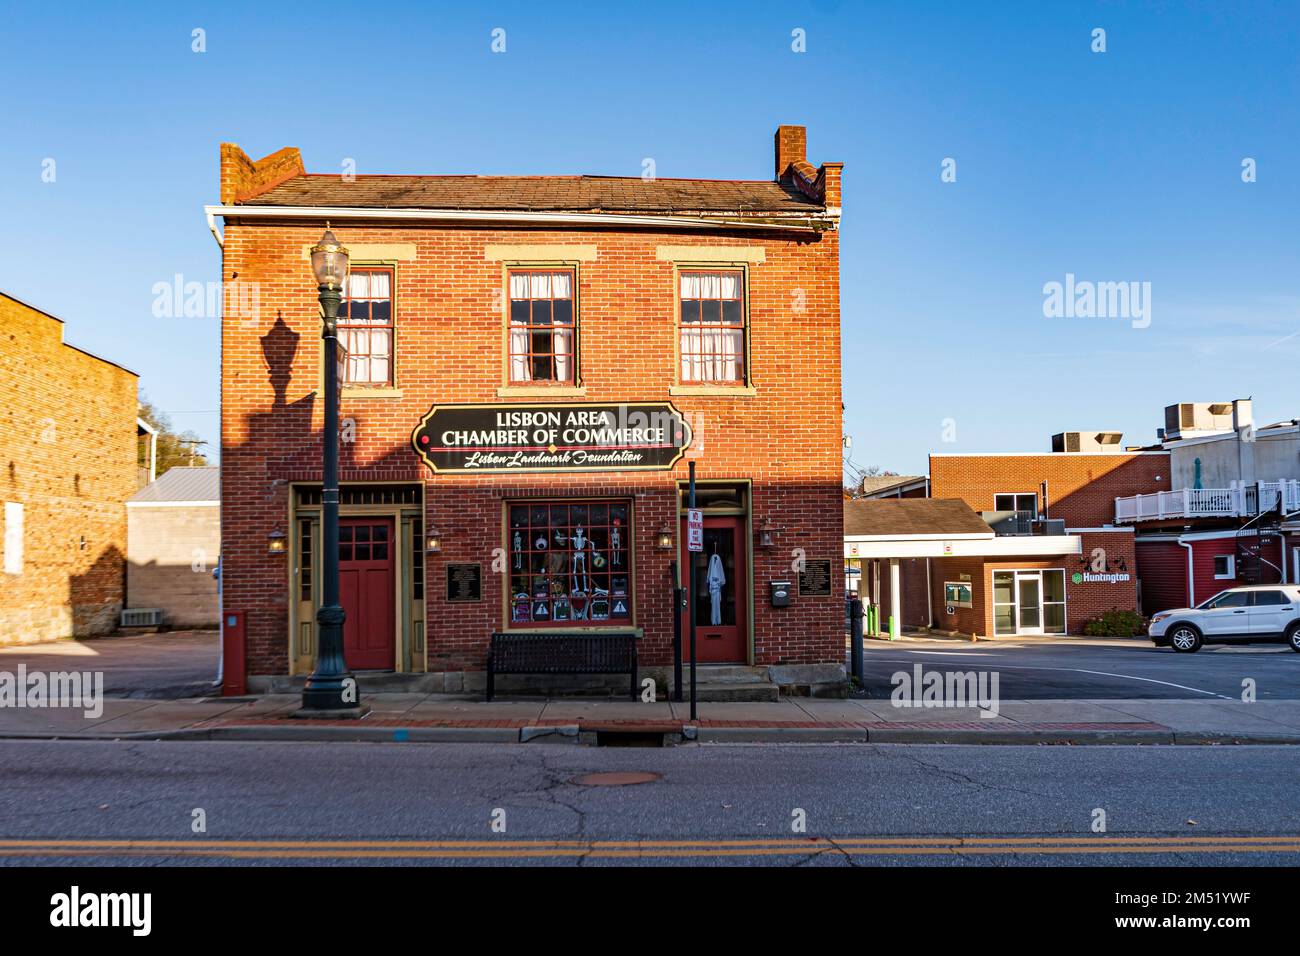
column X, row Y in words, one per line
column 645, row 849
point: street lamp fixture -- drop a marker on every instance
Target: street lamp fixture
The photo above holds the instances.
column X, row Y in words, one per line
column 275, row 542
column 331, row 690
column 664, row 538
column 433, row 541
column 329, row 261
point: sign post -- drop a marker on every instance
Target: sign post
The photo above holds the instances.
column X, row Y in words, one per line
column 694, row 545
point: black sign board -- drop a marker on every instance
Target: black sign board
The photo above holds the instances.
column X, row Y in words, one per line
column 815, row 579
column 464, row 583
column 524, row 437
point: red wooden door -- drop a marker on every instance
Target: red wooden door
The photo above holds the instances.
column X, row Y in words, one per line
column 366, row 583
column 721, row 632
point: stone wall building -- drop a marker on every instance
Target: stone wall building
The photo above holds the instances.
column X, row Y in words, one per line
column 68, row 449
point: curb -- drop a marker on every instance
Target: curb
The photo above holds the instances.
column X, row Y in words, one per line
column 573, row 734
column 959, row 735
column 782, row 735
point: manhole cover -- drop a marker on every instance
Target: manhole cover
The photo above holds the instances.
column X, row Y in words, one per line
column 616, row 778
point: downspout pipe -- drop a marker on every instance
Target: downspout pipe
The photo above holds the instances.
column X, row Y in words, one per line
column 211, row 213
column 1191, row 577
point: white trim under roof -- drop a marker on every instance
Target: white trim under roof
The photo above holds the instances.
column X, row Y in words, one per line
column 341, row 213
column 961, row 546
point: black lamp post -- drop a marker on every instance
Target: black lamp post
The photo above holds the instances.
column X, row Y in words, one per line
column 331, row 686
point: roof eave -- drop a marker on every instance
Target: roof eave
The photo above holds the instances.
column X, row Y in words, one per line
column 779, row 222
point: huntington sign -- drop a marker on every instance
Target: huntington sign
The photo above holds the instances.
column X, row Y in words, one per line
column 615, row 437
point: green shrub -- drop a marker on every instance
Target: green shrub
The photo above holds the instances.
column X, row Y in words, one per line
column 1116, row 624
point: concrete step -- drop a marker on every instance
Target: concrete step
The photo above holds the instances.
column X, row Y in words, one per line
column 734, row 692
column 726, row 674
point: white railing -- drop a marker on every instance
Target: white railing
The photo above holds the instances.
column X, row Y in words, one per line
column 1238, row 501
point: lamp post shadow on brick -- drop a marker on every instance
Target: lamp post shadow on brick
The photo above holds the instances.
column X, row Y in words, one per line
column 331, row 690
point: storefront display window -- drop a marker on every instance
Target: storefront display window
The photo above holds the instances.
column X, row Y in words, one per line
column 570, row 563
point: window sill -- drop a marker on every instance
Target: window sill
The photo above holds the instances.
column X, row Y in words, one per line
column 360, row 391
column 728, row 391
column 541, row 391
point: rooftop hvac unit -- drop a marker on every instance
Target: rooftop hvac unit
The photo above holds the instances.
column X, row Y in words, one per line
column 1086, row 441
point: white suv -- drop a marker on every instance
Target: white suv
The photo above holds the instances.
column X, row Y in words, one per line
column 1262, row 613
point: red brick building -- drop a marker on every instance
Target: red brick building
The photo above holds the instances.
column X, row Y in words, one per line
column 532, row 362
column 68, row 446
column 1054, row 558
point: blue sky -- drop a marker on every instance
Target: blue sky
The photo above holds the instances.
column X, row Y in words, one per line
column 1122, row 166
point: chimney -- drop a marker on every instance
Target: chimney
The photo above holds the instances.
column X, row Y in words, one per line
column 791, row 147
column 242, row 178
column 792, row 168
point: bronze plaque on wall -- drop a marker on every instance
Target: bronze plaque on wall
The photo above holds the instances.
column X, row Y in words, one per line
column 464, row 583
column 815, row 579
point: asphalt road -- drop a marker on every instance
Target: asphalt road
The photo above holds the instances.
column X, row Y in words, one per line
column 407, row 804
column 1083, row 670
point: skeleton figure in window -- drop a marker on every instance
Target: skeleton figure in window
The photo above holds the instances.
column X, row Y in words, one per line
column 519, row 547
column 581, row 543
column 615, row 542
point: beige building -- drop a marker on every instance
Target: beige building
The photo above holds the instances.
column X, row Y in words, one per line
column 173, row 541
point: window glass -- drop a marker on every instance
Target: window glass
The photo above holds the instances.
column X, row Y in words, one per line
column 570, row 563
column 712, row 328
column 1230, row 599
column 1016, row 502
column 1270, row 599
column 366, row 327
column 542, row 333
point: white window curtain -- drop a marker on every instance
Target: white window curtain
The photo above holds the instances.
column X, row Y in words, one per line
column 692, row 368
column 379, row 285
column 710, row 285
column 520, row 371
column 561, row 349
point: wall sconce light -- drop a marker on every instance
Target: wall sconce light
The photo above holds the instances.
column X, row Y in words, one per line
column 767, row 534
column 276, row 542
column 433, row 541
column 664, row 538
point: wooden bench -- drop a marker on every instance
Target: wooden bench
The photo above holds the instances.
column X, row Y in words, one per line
column 563, row 652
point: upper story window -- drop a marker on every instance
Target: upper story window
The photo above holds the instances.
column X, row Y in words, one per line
column 712, row 328
column 1024, row 503
column 366, row 327
column 543, row 326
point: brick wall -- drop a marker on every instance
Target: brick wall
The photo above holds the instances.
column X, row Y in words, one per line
column 170, row 557
column 1081, row 488
column 785, row 437
column 68, row 450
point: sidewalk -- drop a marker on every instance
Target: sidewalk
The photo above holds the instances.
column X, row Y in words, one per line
column 445, row 718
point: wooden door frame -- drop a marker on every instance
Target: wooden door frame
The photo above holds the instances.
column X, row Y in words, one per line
column 401, row 569
column 746, row 514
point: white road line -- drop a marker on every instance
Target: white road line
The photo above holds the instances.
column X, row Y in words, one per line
column 1080, row 670
column 1149, row 680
